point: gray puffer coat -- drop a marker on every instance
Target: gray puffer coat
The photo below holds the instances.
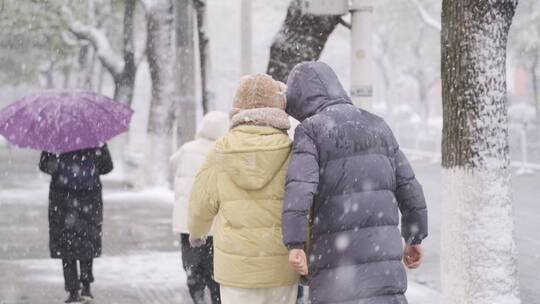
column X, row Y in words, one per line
column 348, row 176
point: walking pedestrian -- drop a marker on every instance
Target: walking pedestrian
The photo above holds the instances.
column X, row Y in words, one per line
column 76, row 214
column 345, row 184
column 242, row 184
column 198, row 262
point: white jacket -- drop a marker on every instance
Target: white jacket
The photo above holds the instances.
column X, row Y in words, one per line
column 187, row 161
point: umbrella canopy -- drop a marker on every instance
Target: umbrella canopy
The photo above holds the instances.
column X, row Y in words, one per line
column 63, row 121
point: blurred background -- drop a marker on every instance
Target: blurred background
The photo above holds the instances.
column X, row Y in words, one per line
column 113, row 47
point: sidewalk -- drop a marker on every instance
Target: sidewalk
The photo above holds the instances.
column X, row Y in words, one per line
column 141, row 260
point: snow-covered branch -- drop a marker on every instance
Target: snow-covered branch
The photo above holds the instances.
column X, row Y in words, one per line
column 110, row 60
column 426, row 17
column 149, row 5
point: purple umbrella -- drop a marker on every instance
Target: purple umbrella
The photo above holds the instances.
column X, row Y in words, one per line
column 63, row 121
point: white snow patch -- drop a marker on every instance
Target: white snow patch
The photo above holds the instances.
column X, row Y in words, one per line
column 342, row 242
column 3, row 142
column 521, row 113
column 40, row 196
column 422, row 294
column 152, row 196
column 20, row 196
column 161, row 269
column 478, row 251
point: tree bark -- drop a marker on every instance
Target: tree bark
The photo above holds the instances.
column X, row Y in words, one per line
column 204, row 54
column 380, row 57
column 478, row 251
column 86, row 53
column 420, row 75
column 125, row 81
column 301, row 38
column 161, row 61
column 185, row 71
column 48, row 75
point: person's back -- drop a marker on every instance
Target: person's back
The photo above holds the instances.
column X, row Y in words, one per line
column 186, row 162
column 348, row 167
column 76, row 213
column 242, row 184
column 77, row 170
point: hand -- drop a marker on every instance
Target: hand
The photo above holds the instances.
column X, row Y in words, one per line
column 197, row 242
column 298, row 261
column 413, row 256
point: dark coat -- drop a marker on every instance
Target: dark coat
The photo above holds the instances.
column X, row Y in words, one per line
column 348, row 171
column 75, row 212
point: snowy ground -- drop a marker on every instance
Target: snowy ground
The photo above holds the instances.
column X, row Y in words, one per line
column 141, row 261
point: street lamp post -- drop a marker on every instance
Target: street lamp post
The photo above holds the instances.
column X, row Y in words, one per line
column 361, row 43
column 361, row 54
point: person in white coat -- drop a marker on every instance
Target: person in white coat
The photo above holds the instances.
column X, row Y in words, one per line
column 186, row 162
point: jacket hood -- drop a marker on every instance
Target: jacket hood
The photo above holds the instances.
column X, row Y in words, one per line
column 213, row 125
column 313, row 86
column 253, row 155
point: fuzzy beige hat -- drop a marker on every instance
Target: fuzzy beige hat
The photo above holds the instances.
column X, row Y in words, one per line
column 260, row 100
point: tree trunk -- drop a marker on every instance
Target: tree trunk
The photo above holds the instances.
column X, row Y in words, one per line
column 124, row 82
column 301, row 38
column 122, row 69
column 478, row 251
column 381, row 60
column 204, row 54
column 85, row 70
column 48, row 75
column 101, row 76
column 185, row 71
column 420, row 75
column 161, row 61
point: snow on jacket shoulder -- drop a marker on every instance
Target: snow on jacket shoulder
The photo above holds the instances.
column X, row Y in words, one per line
column 242, row 184
column 187, row 161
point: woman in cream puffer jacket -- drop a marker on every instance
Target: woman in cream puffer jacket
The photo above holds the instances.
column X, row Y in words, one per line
column 197, row 262
column 242, row 185
column 187, row 161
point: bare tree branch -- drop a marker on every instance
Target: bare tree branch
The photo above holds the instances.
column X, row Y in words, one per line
column 301, row 38
column 110, row 60
column 426, row 17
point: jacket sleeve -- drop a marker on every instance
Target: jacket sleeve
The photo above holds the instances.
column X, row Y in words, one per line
column 410, row 197
column 48, row 163
column 204, row 199
column 301, row 186
column 105, row 164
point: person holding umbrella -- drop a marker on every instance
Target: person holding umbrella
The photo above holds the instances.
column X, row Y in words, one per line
column 76, row 213
column 71, row 128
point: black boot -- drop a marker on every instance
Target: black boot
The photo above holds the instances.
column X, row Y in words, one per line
column 86, row 294
column 74, row 298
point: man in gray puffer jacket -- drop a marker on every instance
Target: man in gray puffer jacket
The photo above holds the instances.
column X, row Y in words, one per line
column 346, row 181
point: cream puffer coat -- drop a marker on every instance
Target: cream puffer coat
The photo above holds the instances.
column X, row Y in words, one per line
column 242, row 185
column 187, row 161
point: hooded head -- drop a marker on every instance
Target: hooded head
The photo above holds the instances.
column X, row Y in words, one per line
column 260, row 101
column 311, row 87
column 213, row 126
